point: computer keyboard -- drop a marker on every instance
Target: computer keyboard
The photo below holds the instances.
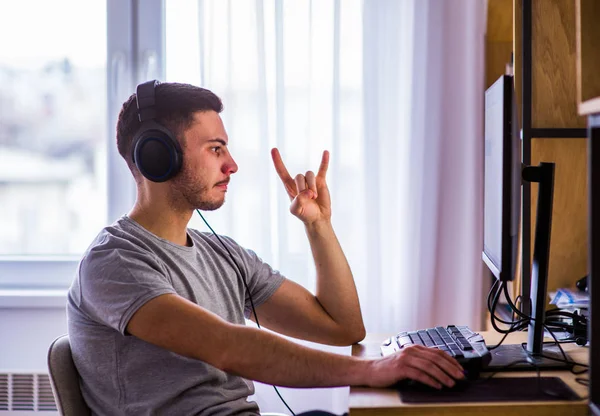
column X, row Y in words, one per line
column 460, row 342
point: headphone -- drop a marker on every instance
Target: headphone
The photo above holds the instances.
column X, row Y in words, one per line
column 155, row 151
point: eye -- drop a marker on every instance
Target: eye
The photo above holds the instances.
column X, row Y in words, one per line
column 216, row 149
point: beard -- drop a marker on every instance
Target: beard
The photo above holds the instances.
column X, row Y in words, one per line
column 192, row 192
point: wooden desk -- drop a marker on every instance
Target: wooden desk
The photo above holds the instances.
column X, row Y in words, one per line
column 369, row 401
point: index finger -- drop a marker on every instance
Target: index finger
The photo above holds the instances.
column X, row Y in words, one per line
column 281, row 169
column 324, row 164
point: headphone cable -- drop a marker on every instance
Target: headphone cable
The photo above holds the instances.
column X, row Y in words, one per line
column 239, row 270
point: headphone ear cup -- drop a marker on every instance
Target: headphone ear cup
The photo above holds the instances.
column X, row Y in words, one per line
column 157, row 155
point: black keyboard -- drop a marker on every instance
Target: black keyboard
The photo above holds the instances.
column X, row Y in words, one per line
column 460, row 342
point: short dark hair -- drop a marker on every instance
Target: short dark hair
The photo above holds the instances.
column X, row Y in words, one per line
column 175, row 106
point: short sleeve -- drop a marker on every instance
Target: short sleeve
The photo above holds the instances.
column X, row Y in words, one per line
column 263, row 280
column 115, row 278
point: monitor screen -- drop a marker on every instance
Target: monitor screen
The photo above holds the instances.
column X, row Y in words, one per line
column 502, row 180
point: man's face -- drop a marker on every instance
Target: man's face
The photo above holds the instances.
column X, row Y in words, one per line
column 207, row 164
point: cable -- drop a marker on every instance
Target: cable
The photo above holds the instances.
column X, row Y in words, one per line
column 579, row 380
column 493, row 316
column 493, row 347
column 489, row 305
column 577, row 321
column 510, row 365
column 549, row 324
column 514, row 325
column 572, row 315
column 235, row 264
column 564, row 360
column 513, row 308
column 241, row 275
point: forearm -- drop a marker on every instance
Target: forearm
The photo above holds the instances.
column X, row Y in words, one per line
column 178, row 325
column 263, row 356
column 336, row 290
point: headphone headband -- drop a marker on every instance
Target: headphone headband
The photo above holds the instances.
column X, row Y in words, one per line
column 146, row 100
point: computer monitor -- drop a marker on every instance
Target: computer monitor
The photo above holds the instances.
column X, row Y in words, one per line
column 503, row 175
column 502, row 181
column 593, row 151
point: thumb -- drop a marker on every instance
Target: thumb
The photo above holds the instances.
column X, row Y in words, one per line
column 300, row 201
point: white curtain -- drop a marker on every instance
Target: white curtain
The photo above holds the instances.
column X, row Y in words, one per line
column 423, row 111
column 394, row 89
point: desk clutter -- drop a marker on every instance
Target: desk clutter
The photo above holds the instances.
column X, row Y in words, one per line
column 568, row 299
column 573, row 311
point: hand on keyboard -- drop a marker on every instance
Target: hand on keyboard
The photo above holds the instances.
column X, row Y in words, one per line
column 460, row 342
column 429, row 366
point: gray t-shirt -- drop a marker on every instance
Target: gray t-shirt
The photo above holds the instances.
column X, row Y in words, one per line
column 124, row 268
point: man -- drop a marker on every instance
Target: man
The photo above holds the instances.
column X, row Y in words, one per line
column 156, row 311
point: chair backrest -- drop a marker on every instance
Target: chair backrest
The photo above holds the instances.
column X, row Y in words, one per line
column 64, row 379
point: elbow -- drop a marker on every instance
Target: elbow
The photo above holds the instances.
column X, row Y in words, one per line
column 357, row 332
column 350, row 336
column 358, row 335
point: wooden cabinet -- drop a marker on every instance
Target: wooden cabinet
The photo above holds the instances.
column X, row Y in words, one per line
column 554, row 99
column 563, row 68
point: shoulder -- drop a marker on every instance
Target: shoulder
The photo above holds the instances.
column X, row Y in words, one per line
column 117, row 245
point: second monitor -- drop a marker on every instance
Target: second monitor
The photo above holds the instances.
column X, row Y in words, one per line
column 503, row 175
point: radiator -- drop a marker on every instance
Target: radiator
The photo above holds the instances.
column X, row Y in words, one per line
column 24, row 394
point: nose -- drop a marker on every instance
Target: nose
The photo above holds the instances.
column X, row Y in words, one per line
column 229, row 167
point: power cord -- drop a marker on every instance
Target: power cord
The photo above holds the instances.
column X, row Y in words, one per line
column 241, row 275
column 522, row 323
column 493, row 347
column 579, row 322
column 513, row 325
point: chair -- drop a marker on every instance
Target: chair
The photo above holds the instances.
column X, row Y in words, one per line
column 64, row 379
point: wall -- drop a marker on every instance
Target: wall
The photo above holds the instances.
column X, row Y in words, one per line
column 27, row 333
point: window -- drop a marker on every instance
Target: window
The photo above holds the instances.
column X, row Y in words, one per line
column 282, row 85
column 52, row 126
column 55, row 161
column 290, row 76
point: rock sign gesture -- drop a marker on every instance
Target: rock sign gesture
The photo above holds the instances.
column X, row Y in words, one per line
column 309, row 194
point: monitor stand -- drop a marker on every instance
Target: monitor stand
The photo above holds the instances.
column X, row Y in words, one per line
column 512, row 357
column 516, row 356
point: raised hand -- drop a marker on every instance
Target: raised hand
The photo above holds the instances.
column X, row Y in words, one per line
column 309, row 193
